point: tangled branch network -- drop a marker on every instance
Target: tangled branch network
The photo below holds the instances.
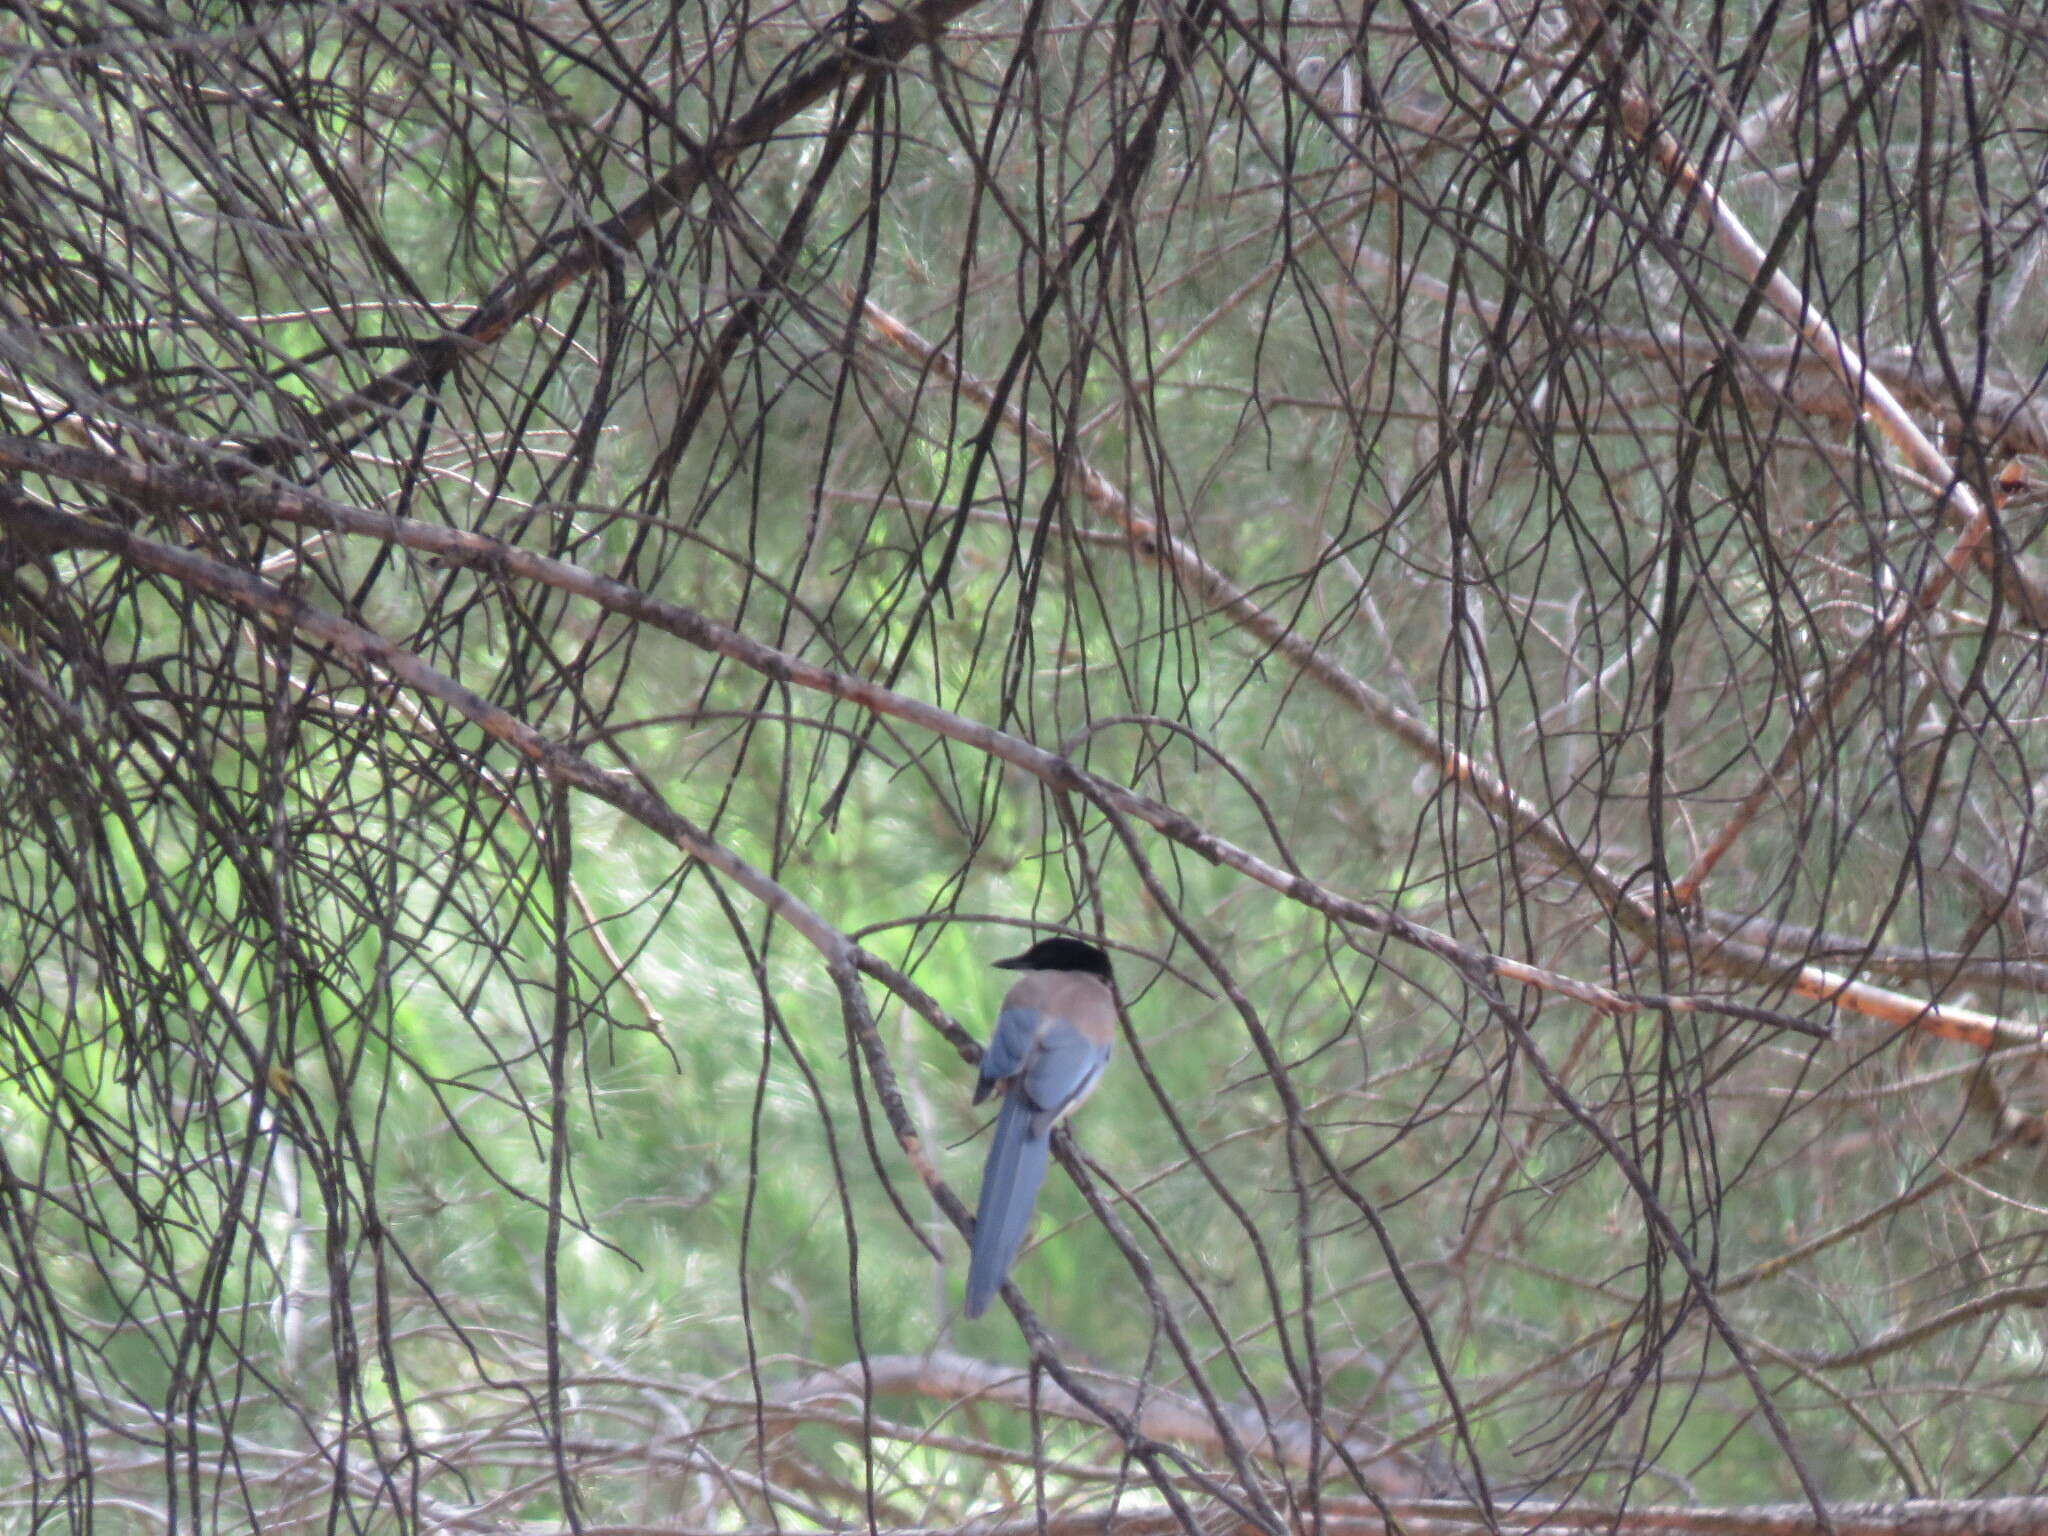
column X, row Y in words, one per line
column 570, row 573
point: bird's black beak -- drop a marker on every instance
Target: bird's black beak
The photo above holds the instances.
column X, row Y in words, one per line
column 1014, row 963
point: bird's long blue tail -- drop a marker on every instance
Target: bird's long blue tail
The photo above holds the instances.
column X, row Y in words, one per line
column 1009, row 1190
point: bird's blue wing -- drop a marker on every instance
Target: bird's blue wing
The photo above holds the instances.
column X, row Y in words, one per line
column 1060, row 1073
column 1008, row 1048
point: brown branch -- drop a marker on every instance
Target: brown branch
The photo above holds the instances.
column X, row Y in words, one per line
column 1949, row 1021
column 1892, row 1340
column 950, row 1377
column 1804, row 379
column 2026, row 970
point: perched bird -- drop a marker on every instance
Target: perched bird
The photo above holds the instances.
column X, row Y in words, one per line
column 1050, row 1045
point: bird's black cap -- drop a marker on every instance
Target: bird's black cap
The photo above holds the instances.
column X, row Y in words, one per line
column 1059, row 955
